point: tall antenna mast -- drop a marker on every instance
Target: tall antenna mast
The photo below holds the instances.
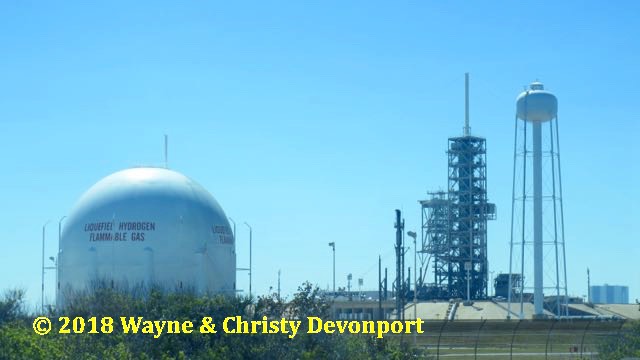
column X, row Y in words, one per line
column 467, row 129
column 166, row 157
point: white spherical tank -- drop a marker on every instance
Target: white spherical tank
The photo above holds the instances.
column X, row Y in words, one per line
column 536, row 104
column 147, row 226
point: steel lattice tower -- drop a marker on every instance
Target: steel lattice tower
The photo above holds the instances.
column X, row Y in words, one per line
column 459, row 249
column 468, row 215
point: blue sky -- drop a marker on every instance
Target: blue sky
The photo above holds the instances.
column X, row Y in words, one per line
column 313, row 121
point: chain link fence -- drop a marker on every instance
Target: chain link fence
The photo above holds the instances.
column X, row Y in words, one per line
column 519, row 339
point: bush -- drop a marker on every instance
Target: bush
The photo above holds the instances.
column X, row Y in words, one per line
column 625, row 345
column 11, row 305
column 18, row 340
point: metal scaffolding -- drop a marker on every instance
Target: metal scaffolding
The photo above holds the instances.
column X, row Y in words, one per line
column 435, row 232
column 468, row 215
column 454, row 224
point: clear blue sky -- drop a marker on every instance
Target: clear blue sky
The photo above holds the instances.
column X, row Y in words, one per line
column 313, row 121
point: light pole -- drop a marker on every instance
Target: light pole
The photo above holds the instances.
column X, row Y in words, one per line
column 413, row 235
column 54, row 267
column 415, row 280
column 250, row 253
column 333, row 247
column 235, row 240
column 42, row 288
column 58, row 254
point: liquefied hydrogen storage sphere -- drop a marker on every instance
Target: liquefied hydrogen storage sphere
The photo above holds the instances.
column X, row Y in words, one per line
column 147, row 227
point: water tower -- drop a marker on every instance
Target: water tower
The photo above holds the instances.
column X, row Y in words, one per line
column 537, row 251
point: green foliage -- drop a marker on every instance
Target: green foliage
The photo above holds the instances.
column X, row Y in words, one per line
column 625, row 345
column 11, row 305
column 18, row 340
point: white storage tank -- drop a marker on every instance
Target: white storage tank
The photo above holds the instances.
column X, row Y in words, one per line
column 536, row 104
column 147, row 226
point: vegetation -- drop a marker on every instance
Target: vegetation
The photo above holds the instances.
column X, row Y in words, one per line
column 19, row 341
column 627, row 345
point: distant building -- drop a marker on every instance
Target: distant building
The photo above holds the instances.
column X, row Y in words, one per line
column 609, row 294
column 501, row 286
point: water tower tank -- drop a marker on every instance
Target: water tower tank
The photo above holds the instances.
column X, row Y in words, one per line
column 536, row 104
column 147, row 226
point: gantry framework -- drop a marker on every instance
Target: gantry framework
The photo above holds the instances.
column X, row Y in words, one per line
column 454, row 228
column 435, row 235
column 469, row 212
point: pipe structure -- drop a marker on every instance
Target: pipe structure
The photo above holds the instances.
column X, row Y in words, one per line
column 538, row 293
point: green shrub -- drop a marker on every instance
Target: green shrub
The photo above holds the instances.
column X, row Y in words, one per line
column 19, row 341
